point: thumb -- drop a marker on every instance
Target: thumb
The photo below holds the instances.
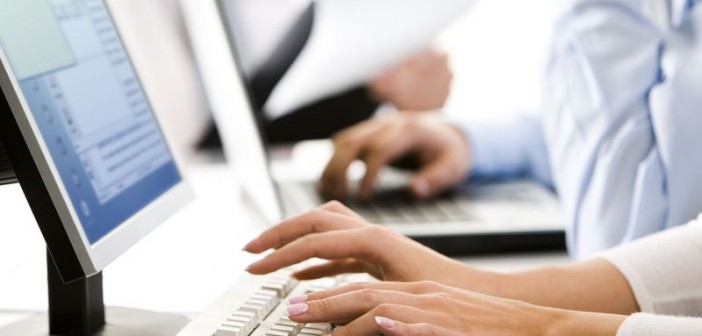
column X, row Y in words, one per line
column 436, row 177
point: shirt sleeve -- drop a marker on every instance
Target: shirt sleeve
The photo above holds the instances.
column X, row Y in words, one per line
column 656, row 325
column 622, row 123
column 664, row 270
column 507, row 148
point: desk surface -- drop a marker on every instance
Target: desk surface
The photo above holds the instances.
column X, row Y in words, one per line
column 182, row 267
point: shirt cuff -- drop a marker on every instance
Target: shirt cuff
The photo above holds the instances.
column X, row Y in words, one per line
column 657, row 325
column 506, row 148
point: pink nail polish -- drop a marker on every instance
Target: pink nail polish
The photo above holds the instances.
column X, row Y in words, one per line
column 298, row 299
column 385, row 323
column 297, row 309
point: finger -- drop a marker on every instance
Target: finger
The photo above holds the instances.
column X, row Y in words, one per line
column 347, row 307
column 289, row 230
column 367, row 325
column 421, row 287
column 341, row 209
column 340, row 244
column 439, row 175
column 385, row 148
column 348, row 146
column 331, row 268
column 390, row 327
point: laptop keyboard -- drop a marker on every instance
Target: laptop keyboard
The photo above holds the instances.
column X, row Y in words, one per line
column 397, row 206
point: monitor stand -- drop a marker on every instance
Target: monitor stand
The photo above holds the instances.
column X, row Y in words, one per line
column 77, row 309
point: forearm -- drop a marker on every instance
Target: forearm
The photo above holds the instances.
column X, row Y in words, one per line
column 595, row 286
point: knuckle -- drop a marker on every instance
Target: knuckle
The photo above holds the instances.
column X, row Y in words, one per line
column 379, row 232
column 324, row 306
column 357, row 287
column 368, row 295
column 342, row 331
column 315, row 214
column 333, row 205
column 440, row 297
column 385, row 309
column 412, row 125
column 425, row 329
column 427, row 285
column 342, row 137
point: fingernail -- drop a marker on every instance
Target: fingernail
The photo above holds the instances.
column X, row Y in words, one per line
column 298, row 299
column 421, row 187
column 297, row 309
column 385, row 323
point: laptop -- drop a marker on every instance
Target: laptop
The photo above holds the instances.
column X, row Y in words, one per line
column 479, row 217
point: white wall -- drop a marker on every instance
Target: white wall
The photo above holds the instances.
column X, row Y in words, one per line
column 497, row 52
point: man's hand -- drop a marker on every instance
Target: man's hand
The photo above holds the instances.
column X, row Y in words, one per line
column 420, row 83
column 441, row 149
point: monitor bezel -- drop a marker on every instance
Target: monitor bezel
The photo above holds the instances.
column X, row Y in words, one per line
column 24, row 141
column 218, row 63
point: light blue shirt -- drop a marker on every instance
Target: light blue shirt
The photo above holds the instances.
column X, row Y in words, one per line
column 620, row 138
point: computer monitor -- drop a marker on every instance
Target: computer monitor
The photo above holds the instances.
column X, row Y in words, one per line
column 7, row 175
column 80, row 133
column 232, row 105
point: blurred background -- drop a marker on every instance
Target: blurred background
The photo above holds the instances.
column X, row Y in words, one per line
column 496, row 51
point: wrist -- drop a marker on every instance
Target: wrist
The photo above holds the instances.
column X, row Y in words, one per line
column 576, row 323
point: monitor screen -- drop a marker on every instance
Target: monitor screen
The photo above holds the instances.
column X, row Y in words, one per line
column 90, row 108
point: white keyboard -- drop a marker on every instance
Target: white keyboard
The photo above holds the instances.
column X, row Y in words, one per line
column 256, row 306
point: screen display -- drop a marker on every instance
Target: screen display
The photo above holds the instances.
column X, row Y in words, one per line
column 84, row 95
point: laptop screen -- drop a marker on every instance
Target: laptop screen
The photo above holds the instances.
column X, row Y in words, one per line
column 90, row 108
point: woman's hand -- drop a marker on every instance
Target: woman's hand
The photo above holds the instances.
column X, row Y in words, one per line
column 429, row 308
column 352, row 245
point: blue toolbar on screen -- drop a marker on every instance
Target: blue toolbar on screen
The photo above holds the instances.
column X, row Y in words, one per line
column 93, row 115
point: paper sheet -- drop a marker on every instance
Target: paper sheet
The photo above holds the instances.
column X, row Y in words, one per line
column 354, row 40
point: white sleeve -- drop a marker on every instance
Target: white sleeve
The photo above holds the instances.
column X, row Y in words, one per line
column 656, row 325
column 664, row 270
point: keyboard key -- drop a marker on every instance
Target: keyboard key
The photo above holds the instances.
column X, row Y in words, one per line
column 247, row 314
column 433, row 212
column 288, row 330
column 276, row 333
column 411, row 213
column 286, row 321
column 453, row 210
column 234, row 324
column 229, row 331
column 311, row 331
column 323, row 327
column 278, row 288
column 269, row 301
column 256, row 310
column 248, row 322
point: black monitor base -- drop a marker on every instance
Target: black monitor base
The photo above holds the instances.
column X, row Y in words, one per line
column 120, row 322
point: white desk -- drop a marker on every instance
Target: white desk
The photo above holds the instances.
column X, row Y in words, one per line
column 181, row 268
